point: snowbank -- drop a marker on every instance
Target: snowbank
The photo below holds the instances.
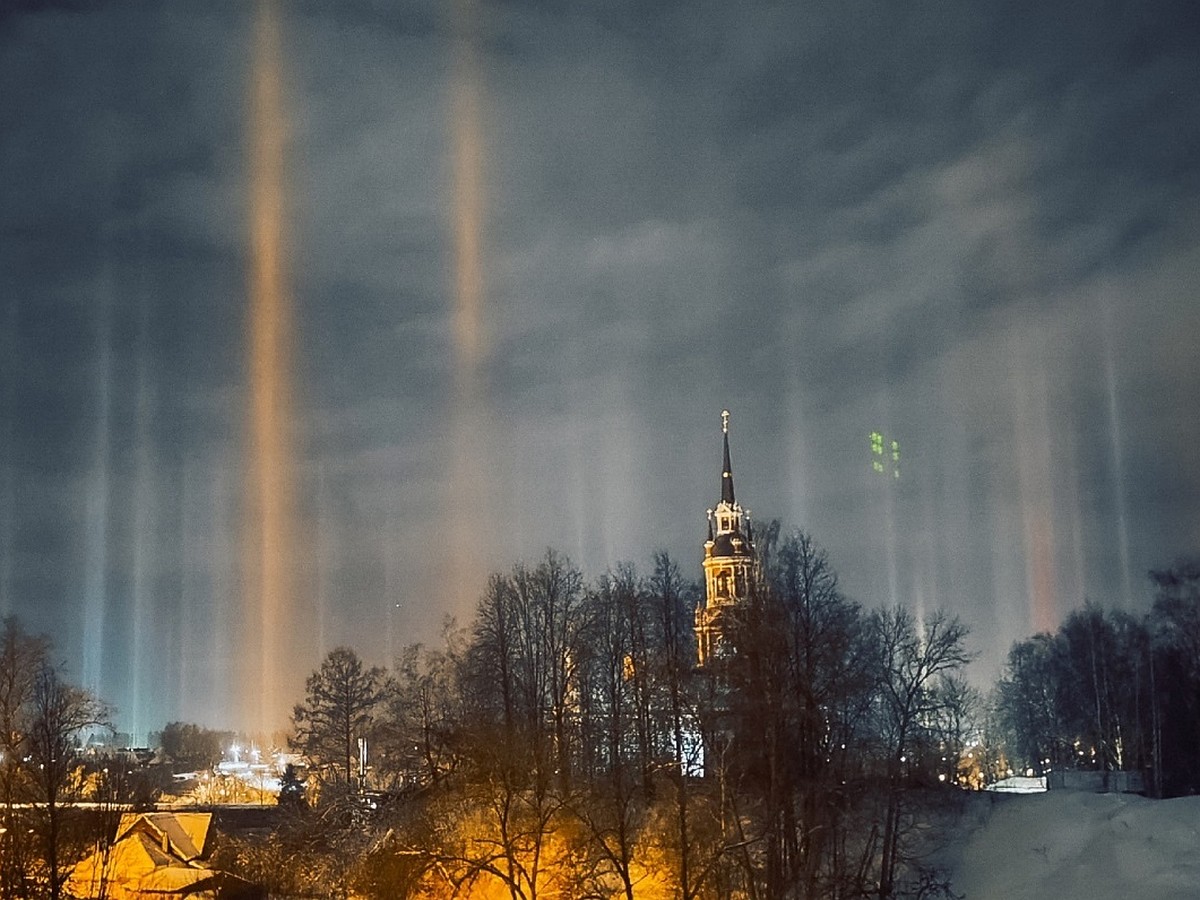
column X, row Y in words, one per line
column 1068, row 845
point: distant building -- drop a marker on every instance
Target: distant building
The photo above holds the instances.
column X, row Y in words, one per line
column 157, row 855
column 1100, row 782
column 730, row 565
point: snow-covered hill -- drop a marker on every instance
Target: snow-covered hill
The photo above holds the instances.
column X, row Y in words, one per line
column 1063, row 845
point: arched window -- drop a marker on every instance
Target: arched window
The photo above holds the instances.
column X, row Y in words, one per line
column 723, row 583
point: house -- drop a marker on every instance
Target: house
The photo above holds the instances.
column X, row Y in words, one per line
column 157, row 856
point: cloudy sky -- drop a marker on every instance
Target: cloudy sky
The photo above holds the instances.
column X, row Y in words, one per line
column 532, row 251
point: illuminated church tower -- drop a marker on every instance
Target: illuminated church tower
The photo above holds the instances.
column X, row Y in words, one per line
column 730, row 565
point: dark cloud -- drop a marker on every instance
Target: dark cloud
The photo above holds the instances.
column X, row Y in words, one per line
column 973, row 229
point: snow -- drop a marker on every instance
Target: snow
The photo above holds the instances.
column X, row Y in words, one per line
column 1069, row 845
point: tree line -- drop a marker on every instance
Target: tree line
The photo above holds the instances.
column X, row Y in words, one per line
column 1112, row 691
column 565, row 743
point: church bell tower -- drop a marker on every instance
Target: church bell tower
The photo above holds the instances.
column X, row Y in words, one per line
column 730, row 565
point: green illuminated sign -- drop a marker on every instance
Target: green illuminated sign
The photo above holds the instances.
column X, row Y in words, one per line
column 880, row 462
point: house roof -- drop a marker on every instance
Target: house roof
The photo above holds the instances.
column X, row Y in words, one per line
column 185, row 832
column 154, row 854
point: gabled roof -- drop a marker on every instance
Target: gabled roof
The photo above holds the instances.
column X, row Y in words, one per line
column 153, row 855
column 186, row 833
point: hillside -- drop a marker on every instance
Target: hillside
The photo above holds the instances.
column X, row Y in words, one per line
column 1077, row 846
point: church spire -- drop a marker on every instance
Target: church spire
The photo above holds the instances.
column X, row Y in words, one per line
column 730, row 564
column 726, row 467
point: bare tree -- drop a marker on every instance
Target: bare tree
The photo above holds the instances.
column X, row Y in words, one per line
column 523, row 662
column 59, row 713
column 1027, row 703
column 802, row 689
column 957, row 707
column 910, row 660
column 549, row 623
column 1175, row 627
column 22, row 657
column 422, row 712
column 490, row 661
column 613, row 687
column 679, row 720
column 518, row 730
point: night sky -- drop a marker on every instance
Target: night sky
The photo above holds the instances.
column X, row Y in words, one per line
column 971, row 227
